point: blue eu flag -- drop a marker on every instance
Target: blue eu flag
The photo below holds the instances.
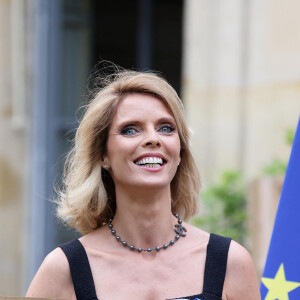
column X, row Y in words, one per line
column 281, row 277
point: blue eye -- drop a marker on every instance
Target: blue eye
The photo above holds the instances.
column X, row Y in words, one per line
column 128, row 131
column 167, row 129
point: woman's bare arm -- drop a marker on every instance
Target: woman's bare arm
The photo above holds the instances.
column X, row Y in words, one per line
column 240, row 281
column 53, row 279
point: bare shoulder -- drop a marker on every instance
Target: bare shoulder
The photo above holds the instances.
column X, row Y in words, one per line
column 197, row 235
column 240, row 281
column 53, row 279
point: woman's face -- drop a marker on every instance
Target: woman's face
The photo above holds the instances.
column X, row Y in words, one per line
column 143, row 147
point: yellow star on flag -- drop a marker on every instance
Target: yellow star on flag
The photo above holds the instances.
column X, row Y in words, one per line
column 279, row 287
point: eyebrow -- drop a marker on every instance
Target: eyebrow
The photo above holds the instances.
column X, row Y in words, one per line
column 138, row 122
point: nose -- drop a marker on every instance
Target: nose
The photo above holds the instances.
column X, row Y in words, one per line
column 152, row 139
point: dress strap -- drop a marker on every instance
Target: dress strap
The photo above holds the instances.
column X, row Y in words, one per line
column 80, row 270
column 215, row 265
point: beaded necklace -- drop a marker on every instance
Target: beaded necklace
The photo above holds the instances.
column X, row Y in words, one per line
column 179, row 230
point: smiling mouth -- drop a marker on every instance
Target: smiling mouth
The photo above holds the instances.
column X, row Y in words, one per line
column 150, row 162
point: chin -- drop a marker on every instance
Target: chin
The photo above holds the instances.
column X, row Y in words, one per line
column 154, row 184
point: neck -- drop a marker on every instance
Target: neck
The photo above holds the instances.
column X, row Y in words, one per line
column 144, row 218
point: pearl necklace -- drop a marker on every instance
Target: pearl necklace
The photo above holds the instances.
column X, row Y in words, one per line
column 179, row 229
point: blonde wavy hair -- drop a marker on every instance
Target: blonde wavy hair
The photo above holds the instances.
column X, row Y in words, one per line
column 87, row 196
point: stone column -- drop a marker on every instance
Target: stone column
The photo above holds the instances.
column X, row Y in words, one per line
column 14, row 144
column 212, row 83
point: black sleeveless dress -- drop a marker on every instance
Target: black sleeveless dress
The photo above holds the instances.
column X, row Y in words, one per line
column 214, row 274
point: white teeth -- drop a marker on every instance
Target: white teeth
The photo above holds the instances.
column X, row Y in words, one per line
column 150, row 160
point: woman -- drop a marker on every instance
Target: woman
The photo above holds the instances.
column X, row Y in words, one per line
column 130, row 178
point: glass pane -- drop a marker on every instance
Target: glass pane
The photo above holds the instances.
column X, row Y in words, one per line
column 75, row 63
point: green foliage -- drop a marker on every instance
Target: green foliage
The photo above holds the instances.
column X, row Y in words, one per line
column 224, row 207
column 224, row 203
column 276, row 167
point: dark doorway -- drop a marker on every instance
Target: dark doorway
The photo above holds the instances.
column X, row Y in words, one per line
column 140, row 35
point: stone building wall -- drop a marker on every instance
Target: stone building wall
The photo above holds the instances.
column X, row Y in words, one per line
column 241, row 82
column 241, row 88
column 14, row 143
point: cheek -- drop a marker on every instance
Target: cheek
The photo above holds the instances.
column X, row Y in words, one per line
column 177, row 147
column 112, row 151
column 174, row 149
column 120, row 151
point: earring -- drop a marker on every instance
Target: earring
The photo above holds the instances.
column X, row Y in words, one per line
column 105, row 166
